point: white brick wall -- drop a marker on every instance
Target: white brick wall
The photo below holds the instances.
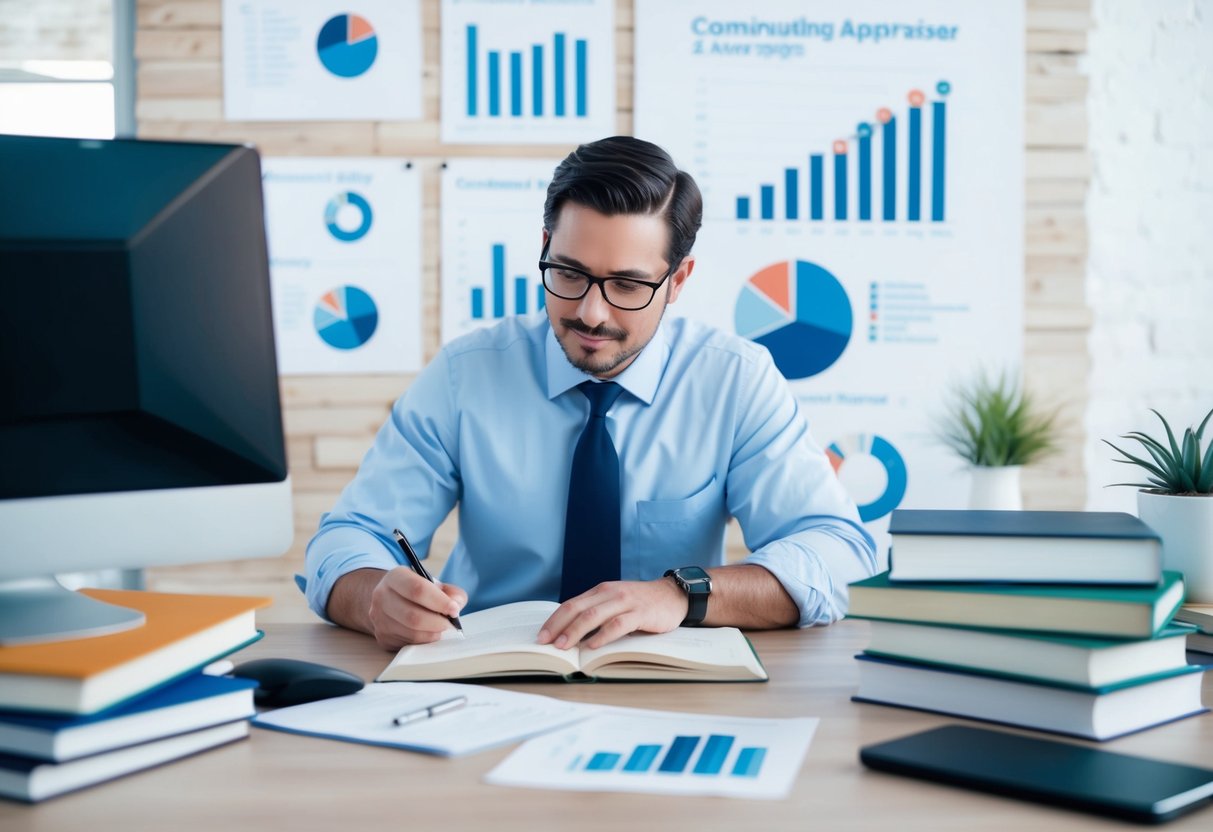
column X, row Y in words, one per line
column 1150, row 215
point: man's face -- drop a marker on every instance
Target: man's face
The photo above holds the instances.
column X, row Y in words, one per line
column 598, row 338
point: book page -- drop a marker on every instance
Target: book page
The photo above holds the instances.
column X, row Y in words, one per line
column 691, row 647
column 502, row 631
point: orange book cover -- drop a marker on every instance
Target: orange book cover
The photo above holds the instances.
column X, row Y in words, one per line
column 171, row 617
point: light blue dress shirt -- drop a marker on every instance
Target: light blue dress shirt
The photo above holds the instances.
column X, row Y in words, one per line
column 706, row 428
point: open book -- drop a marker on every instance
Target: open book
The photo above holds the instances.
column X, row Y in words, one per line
column 501, row 642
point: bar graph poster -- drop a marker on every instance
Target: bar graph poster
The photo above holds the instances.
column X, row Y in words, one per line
column 345, row 263
column 664, row 753
column 492, row 235
column 316, row 60
column 862, row 171
column 528, row 71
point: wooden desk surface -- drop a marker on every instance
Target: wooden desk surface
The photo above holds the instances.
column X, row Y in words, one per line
column 282, row 781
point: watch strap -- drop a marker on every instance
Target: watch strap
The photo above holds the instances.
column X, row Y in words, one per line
column 697, row 592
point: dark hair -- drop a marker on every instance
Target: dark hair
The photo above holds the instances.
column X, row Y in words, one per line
column 626, row 175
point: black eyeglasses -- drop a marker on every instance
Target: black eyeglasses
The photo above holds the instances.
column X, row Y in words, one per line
column 571, row 283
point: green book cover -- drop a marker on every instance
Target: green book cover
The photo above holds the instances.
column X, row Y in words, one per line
column 1173, row 629
column 1137, row 595
column 1099, row 611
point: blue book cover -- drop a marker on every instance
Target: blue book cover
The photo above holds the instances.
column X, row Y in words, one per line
column 974, row 523
column 187, row 689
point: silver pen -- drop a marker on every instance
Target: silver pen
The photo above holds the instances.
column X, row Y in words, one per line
column 443, row 707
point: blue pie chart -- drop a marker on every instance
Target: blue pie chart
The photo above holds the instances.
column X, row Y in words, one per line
column 333, row 218
column 798, row 311
column 346, row 318
column 884, row 452
column 347, row 45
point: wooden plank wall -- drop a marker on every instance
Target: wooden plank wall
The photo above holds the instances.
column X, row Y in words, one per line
column 56, row 30
column 330, row 420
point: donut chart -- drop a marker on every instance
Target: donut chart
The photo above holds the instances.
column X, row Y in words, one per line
column 348, row 232
column 890, row 459
column 346, row 317
column 347, row 45
column 798, row 311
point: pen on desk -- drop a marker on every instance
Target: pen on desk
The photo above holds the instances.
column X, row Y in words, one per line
column 419, row 568
column 445, row 706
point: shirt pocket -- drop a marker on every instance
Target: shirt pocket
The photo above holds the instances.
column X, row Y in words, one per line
column 679, row 511
column 671, row 533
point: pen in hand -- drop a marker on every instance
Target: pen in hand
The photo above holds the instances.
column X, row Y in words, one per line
column 445, row 706
column 419, row 568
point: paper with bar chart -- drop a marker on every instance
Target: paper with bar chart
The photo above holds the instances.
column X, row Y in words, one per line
column 528, row 72
column 629, row 750
column 345, row 265
column 492, row 235
column 315, row 60
column 862, row 171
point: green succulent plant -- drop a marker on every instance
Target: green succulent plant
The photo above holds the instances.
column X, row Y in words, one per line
column 1178, row 467
column 993, row 423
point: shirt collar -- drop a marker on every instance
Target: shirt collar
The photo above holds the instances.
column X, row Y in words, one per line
column 640, row 378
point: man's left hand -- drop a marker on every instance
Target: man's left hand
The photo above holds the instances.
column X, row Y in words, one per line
column 612, row 610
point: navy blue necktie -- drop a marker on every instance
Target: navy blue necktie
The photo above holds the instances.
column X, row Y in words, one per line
column 591, row 523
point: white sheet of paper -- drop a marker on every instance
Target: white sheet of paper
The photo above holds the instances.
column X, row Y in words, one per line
column 311, row 60
column 344, row 239
column 492, row 717
column 800, row 115
column 492, row 236
column 657, row 752
column 527, row 71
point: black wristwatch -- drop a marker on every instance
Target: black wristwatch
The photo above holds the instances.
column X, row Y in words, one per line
column 697, row 584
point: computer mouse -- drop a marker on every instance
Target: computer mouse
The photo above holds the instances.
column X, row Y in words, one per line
column 294, row 682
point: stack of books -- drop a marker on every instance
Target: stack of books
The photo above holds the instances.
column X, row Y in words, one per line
column 79, row 712
column 1056, row 621
column 1201, row 641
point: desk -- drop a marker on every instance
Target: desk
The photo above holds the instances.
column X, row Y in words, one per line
column 280, row 781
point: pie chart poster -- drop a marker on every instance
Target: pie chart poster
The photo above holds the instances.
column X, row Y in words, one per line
column 345, row 264
column 314, row 60
column 869, row 337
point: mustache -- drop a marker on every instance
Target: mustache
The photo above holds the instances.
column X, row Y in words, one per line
column 599, row 331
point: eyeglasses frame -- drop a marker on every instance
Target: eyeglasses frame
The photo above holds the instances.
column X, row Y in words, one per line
column 600, row 282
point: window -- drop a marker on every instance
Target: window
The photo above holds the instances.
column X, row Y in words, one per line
column 67, row 68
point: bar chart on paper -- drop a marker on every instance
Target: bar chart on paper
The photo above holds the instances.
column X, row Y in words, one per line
column 492, row 221
column 514, row 300
column 650, row 751
column 863, row 172
column 535, row 72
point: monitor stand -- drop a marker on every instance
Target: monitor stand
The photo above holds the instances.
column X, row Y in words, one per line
column 40, row 610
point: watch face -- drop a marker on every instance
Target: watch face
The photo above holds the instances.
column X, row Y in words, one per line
column 697, row 579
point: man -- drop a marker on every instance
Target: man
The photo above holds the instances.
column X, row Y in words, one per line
column 597, row 453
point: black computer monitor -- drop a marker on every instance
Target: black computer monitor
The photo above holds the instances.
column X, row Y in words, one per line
column 140, row 421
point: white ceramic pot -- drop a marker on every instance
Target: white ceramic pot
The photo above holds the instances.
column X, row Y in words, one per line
column 995, row 488
column 1185, row 524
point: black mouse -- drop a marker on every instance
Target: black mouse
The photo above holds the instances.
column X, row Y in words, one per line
column 293, row 682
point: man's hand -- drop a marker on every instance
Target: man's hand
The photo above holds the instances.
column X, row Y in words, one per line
column 612, row 610
column 397, row 607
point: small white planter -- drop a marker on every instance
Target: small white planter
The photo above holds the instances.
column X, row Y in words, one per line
column 1185, row 524
column 995, row 488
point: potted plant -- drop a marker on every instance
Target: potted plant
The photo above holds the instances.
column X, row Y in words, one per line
column 1177, row 501
column 997, row 427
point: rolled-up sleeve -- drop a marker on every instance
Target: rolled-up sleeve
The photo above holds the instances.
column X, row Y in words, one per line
column 409, row 479
column 797, row 519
